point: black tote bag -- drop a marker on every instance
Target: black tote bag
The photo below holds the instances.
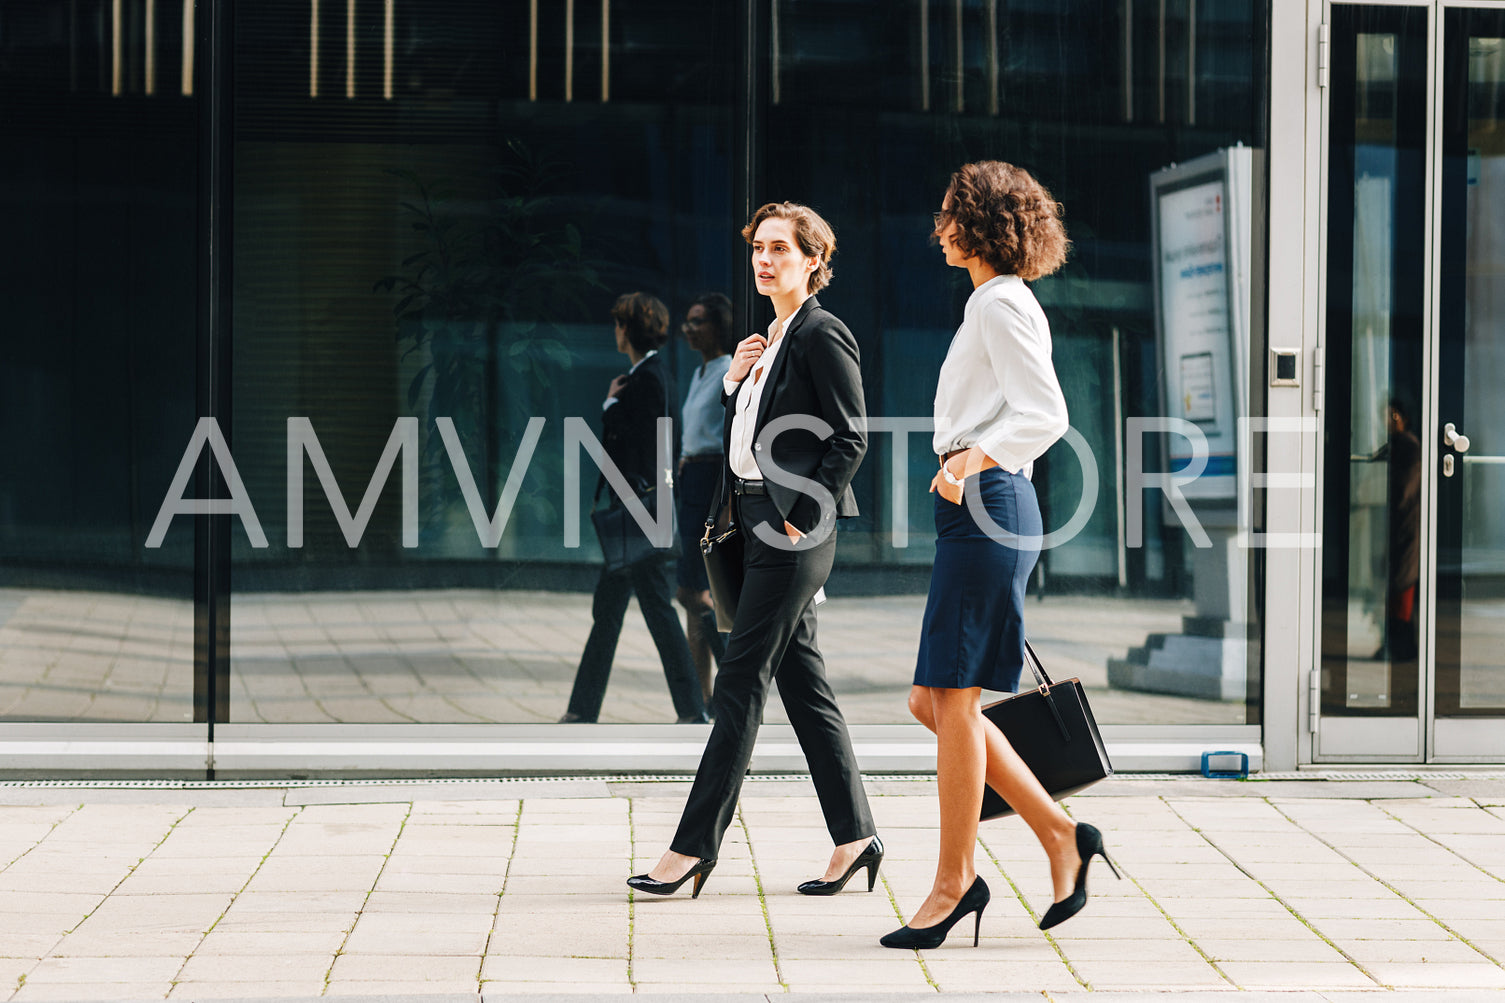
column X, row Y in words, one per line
column 623, row 542
column 1052, row 729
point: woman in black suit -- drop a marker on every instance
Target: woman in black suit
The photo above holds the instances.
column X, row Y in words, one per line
column 794, row 435
column 635, row 402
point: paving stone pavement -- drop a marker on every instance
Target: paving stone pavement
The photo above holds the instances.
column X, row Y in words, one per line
column 1307, row 891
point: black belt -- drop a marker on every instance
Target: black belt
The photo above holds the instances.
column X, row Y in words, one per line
column 748, row 487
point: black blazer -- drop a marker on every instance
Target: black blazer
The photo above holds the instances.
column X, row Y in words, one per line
column 815, row 373
column 629, row 427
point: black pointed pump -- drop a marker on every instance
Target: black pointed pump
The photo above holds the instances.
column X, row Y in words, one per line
column 702, row 870
column 869, row 858
column 1089, row 844
column 974, row 900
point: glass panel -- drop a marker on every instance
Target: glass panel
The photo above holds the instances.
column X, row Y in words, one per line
column 872, row 107
column 436, row 205
column 542, row 179
column 98, row 189
column 1471, row 521
column 1374, row 362
column 1372, row 487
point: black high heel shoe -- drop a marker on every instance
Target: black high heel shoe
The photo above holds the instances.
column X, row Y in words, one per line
column 702, row 870
column 1089, row 844
column 869, row 858
column 927, row 937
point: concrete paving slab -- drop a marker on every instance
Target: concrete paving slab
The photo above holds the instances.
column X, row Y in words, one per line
column 93, row 991
column 1440, row 975
column 104, row 969
column 204, row 967
column 388, row 990
column 407, row 969
column 1295, row 975
column 242, row 991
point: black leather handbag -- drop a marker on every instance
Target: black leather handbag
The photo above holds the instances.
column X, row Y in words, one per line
column 1052, row 729
column 721, row 549
column 623, row 542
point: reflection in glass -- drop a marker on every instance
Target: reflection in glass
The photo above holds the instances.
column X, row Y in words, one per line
column 442, row 250
column 443, row 243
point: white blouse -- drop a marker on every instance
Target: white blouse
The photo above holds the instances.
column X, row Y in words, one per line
column 748, row 394
column 997, row 388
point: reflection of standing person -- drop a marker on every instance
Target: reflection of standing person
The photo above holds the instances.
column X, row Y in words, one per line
column 707, row 326
column 635, row 402
column 802, row 377
column 1403, row 452
column 998, row 406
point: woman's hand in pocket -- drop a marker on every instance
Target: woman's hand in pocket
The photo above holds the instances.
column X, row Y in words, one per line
column 951, row 492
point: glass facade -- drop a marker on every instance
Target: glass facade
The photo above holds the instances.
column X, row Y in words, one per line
column 429, row 210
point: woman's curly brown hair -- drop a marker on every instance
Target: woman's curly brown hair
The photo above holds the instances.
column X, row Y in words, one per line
column 1006, row 217
column 644, row 319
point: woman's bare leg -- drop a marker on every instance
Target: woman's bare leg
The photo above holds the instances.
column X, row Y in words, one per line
column 938, row 709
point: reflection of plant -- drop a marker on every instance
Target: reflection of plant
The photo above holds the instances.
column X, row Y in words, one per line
column 489, row 287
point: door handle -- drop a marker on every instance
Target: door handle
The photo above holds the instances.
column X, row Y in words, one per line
column 1452, row 437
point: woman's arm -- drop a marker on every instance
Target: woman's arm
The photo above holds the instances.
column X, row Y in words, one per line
column 1034, row 413
column 836, row 377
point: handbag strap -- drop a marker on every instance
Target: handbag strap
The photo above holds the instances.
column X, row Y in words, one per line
column 1042, row 677
column 1037, row 667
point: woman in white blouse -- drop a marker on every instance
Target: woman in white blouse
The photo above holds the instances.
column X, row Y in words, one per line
column 998, row 407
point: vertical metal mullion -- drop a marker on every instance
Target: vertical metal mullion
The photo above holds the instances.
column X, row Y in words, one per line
column 924, row 55
column 993, row 95
column 605, row 51
column 1128, row 60
column 775, row 53
column 211, row 599
column 959, row 99
column 1431, row 352
column 1160, row 86
column 749, row 116
column 1191, row 62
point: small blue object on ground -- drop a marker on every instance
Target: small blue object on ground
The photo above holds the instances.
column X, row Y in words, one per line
column 1225, row 765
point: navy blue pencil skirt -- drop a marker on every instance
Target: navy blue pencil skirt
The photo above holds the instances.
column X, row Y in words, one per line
column 973, row 631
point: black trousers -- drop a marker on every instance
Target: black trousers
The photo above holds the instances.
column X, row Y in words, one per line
column 774, row 638
column 653, row 581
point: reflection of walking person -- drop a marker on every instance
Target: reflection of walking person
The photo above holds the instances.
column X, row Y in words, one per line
column 1402, row 452
column 707, row 326
column 998, row 406
column 629, row 422
column 804, row 374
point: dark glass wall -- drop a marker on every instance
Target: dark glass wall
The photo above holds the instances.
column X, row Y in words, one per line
column 432, row 207
column 98, row 274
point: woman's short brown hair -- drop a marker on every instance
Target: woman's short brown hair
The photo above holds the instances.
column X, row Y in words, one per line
column 811, row 232
column 1006, row 217
column 644, row 319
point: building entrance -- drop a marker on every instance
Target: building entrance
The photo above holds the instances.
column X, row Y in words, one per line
column 1412, row 665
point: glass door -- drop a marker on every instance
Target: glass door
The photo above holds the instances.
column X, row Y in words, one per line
column 1412, row 661
column 1370, row 684
column 1468, row 692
